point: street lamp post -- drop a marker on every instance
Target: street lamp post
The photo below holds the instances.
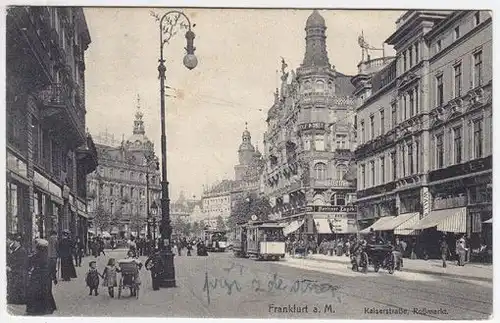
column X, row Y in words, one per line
column 167, row 23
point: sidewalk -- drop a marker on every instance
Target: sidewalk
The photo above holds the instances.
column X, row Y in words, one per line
column 482, row 272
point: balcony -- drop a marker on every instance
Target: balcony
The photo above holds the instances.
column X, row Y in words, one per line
column 374, row 65
column 87, row 156
column 450, row 202
column 61, row 113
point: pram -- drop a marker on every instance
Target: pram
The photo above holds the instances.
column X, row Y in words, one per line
column 129, row 269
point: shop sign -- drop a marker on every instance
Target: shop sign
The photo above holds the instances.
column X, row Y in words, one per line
column 16, row 165
column 332, row 208
column 338, row 225
column 312, row 125
column 42, row 182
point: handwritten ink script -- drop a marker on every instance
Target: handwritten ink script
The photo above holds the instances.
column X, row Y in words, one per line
column 273, row 284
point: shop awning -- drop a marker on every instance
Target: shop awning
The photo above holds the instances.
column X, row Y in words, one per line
column 322, row 226
column 407, row 220
column 396, row 221
column 292, row 227
column 489, row 221
column 447, row 220
column 380, row 223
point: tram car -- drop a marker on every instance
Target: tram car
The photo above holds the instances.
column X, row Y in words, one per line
column 263, row 240
column 215, row 240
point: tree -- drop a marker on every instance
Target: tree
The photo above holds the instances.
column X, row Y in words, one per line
column 252, row 204
column 195, row 228
column 102, row 218
column 220, row 223
column 136, row 224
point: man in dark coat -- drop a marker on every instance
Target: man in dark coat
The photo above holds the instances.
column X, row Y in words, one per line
column 155, row 265
column 66, row 255
column 17, row 271
column 78, row 249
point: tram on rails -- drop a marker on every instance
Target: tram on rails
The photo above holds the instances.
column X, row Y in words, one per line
column 263, row 240
column 215, row 240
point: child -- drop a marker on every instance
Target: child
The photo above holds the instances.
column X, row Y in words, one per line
column 109, row 276
column 92, row 278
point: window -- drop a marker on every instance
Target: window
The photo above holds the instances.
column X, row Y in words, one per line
column 403, row 159
column 56, row 159
column 416, row 100
column 439, row 151
column 362, row 129
column 457, row 71
column 122, row 188
column 439, row 45
column 111, row 190
column 393, row 165
column 410, row 159
column 320, row 171
column 457, row 144
column 36, row 139
column 404, row 107
column 456, row 32
column 477, row 18
column 341, row 171
column 404, row 62
column 410, row 56
column 478, row 68
column 478, row 138
column 319, row 142
column 341, row 141
column 412, row 103
column 339, row 199
column 372, row 126
column 417, row 157
column 416, row 54
column 382, row 122
column 439, row 90
column 131, row 192
column 372, row 172
column 307, row 143
column 382, row 170
column 363, row 176
column 394, row 116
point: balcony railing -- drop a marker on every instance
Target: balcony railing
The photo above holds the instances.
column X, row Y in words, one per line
column 448, row 203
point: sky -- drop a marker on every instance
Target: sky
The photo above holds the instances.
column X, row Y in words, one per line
column 239, row 52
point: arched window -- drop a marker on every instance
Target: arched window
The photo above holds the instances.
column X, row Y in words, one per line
column 319, row 199
column 320, row 86
column 320, row 171
column 341, row 170
column 339, row 199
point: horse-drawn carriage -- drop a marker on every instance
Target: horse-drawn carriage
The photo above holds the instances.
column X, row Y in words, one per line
column 380, row 256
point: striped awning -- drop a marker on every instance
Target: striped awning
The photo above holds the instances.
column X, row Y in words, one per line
column 395, row 222
column 407, row 220
column 380, row 223
column 322, row 226
column 447, row 220
column 292, row 227
column 489, row 221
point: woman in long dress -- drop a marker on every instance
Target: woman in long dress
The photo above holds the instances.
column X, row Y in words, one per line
column 40, row 300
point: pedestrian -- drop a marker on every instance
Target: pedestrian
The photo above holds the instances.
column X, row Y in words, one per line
column 398, row 254
column 154, row 264
column 101, row 247
column 461, row 251
column 17, row 271
column 65, row 253
column 109, row 276
column 78, row 249
column 92, row 278
column 445, row 250
column 189, row 247
column 52, row 252
column 40, row 300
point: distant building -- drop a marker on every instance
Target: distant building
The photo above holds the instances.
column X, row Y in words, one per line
column 309, row 143
column 183, row 208
column 216, row 201
column 425, row 129
column 49, row 153
column 119, row 185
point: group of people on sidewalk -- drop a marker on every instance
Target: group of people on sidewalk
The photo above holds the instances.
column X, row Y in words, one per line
column 30, row 277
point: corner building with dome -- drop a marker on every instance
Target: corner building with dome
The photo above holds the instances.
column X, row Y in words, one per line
column 118, row 187
column 309, row 144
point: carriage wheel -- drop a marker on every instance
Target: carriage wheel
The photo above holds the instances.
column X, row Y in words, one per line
column 364, row 259
column 120, row 285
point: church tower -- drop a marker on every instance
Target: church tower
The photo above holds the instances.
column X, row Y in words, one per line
column 138, row 144
column 316, row 54
column 246, row 153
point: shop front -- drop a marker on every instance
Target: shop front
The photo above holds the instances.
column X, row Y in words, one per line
column 18, row 211
column 47, row 206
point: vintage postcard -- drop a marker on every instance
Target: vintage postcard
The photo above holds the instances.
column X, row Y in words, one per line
column 249, row 163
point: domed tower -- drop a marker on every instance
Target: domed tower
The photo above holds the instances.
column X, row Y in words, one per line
column 245, row 154
column 316, row 54
column 138, row 144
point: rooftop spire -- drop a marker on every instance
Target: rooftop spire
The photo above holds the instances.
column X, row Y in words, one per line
column 138, row 123
column 316, row 54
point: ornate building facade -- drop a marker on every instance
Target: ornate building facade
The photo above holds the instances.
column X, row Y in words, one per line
column 309, row 143
column 125, row 188
column 424, row 129
column 49, row 152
